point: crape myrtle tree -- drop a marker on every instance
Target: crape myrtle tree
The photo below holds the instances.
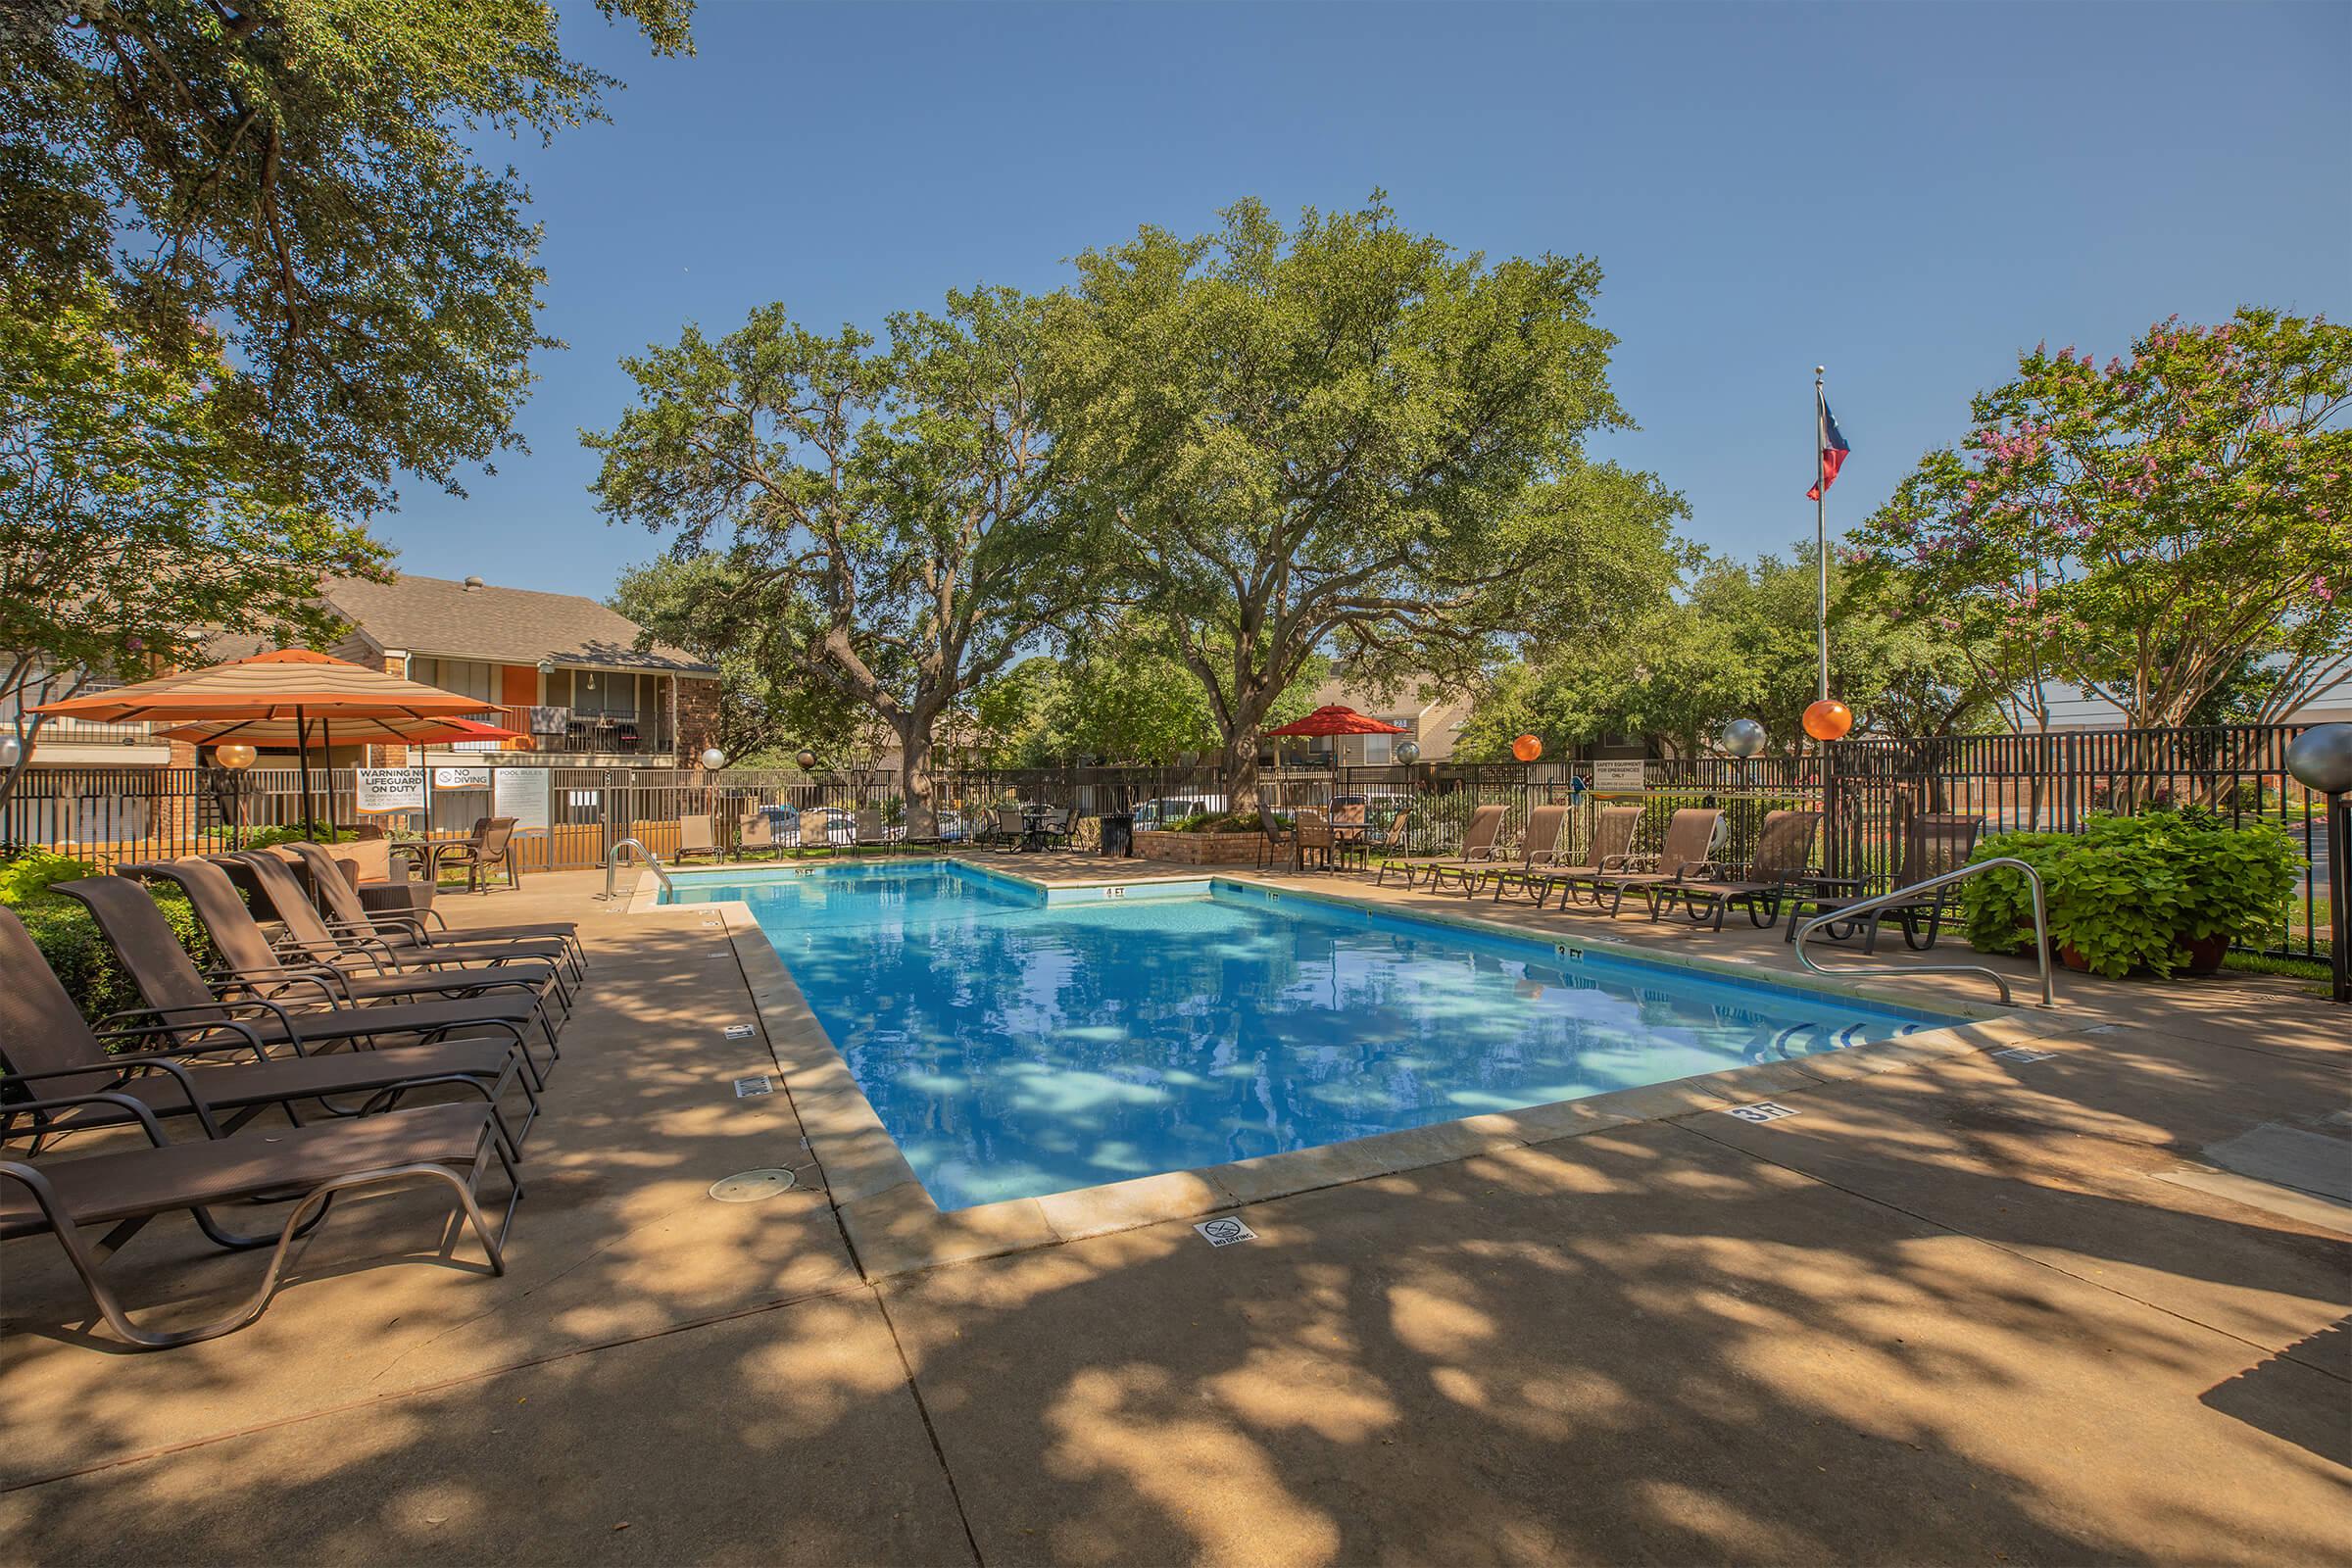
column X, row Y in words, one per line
column 1346, row 440
column 2148, row 528
column 132, row 523
column 882, row 511
column 296, row 177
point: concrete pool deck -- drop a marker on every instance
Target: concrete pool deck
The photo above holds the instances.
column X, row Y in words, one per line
column 1963, row 1308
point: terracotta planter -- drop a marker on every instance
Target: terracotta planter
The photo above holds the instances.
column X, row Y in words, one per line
column 2072, row 957
column 2203, row 957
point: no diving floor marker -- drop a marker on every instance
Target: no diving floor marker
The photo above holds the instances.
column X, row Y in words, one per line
column 1224, row 1232
column 746, row 1088
column 1761, row 1110
column 2024, row 1053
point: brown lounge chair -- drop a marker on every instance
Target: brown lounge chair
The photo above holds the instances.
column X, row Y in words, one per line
column 1690, row 838
column 758, row 832
column 1610, row 850
column 328, row 942
column 196, row 1017
column 490, row 848
column 1934, row 843
column 1784, row 854
column 697, row 836
column 403, row 929
column 1537, row 853
column 257, row 968
column 127, row 1188
column 1478, row 852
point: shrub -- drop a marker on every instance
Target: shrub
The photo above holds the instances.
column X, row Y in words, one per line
column 69, row 940
column 1220, row 822
column 31, row 873
column 2130, row 892
column 268, row 838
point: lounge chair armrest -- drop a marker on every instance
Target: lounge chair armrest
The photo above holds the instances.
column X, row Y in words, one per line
column 146, row 1117
column 334, row 986
column 214, row 1015
column 1707, row 871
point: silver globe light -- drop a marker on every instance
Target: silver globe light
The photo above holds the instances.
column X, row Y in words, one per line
column 12, row 750
column 1742, row 737
column 2321, row 759
column 713, row 759
column 1408, row 752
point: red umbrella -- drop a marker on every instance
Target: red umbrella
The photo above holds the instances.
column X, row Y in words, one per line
column 1338, row 719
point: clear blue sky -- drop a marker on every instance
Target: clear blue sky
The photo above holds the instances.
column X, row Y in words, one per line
column 1906, row 193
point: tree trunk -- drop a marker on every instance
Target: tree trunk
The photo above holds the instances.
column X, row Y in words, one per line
column 1238, row 766
column 914, row 762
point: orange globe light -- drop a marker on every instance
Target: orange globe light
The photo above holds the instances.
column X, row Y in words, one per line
column 1526, row 747
column 1829, row 719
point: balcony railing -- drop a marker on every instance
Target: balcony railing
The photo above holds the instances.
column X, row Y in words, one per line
column 572, row 732
column 62, row 731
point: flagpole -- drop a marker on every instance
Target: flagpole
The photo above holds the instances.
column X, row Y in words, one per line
column 1821, row 535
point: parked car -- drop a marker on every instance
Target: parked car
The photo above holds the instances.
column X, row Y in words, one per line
column 1163, row 809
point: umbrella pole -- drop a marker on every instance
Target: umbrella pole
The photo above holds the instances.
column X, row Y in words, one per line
column 326, row 743
column 302, row 755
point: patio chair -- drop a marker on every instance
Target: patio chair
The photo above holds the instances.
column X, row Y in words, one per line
column 1311, row 837
column 1393, row 847
column 869, row 828
column 255, row 967
column 696, row 837
column 1054, row 828
column 759, row 833
column 1784, row 852
column 1276, row 840
column 1935, row 842
column 1478, row 852
column 452, row 1144
column 1010, row 829
column 45, row 1041
column 489, row 848
column 403, row 930
column 1350, row 830
column 1538, row 850
column 1691, row 836
column 1610, row 850
column 333, row 940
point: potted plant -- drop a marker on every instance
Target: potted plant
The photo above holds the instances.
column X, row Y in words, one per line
column 2160, row 892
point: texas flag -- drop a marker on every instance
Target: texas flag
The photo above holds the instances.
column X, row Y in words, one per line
column 1833, row 453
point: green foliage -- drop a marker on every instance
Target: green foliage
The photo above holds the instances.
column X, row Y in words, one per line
column 138, row 513
column 302, row 179
column 1738, row 643
column 70, row 941
column 1224, row 823
column 265, row 838
column 2150, row 529
column 882, row 518
column 31, row 874
column 1349, row 440
column 2129, row 890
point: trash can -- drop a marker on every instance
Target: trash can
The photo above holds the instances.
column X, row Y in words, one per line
column 1118, row 833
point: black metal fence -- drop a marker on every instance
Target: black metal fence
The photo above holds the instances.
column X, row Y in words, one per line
column 1868, row 791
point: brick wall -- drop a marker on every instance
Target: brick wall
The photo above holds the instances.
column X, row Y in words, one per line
column 694, row 721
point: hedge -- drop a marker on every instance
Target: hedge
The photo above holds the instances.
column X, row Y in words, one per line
column 61, row 928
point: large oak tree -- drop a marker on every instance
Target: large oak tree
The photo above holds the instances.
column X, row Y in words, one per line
column 882, row 510
column 1347, row 440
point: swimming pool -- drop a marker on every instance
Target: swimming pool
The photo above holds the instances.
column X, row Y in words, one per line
column 1014, row 1047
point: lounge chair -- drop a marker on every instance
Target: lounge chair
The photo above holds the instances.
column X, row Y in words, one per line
column 867, row 827
column 1393, row 847
column 1690, row 840
column 489, row 848
column 259, row 969
column 1478, row 852
column 44, row 1039
column 1538, row 849
column 324, row 941
column 1784, row 852
column 452, row 1144
column 1610, row 850
column 759, row 833
column 1936, row 842
column 344, row 912
column 696, row 837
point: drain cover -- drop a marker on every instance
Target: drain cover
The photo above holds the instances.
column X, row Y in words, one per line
column 746, row 1088
column 751, row 1185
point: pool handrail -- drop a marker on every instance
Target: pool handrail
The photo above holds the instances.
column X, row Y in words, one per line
column 1909, row 893
column 651, row 861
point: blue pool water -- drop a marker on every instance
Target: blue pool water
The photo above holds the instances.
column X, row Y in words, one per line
column 1014, row 1049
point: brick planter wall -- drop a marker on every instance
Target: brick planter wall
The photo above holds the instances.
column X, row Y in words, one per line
column 1197, row 848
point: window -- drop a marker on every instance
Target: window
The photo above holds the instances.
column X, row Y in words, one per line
column 467, row 677
column 1380, row 748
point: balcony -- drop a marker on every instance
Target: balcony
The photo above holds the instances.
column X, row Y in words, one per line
column 574, row 733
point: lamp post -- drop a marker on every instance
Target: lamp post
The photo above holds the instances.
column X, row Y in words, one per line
column 236, row 757
column 2321, row 759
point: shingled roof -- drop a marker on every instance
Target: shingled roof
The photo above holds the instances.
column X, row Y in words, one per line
column 472, row 619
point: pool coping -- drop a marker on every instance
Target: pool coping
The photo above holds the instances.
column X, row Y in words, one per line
column 896, row 1228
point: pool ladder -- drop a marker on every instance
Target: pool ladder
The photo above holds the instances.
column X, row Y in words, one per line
column 1910, row 895
column 652, row 862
